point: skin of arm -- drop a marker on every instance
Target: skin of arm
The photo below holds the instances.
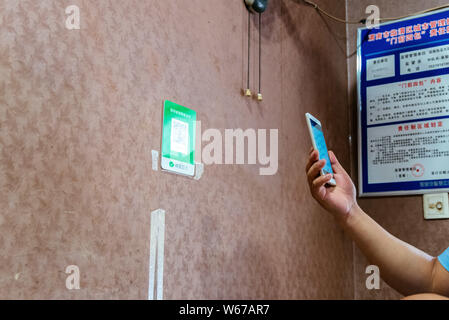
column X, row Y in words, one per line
column 405, row 268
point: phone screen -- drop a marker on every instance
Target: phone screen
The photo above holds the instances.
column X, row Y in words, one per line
column 321, row 146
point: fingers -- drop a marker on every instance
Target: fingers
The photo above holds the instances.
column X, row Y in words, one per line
column 336, row 166
column 319, row 182
column 313, row 157
column 315, row 169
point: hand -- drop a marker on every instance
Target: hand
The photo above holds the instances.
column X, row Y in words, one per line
column 338, row 200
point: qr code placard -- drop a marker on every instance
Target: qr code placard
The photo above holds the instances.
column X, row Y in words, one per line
column 179, row 140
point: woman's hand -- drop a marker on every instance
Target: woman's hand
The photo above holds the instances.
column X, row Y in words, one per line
column 338, row 200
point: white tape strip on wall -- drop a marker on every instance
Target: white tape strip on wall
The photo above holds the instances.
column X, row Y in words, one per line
column 157, row 236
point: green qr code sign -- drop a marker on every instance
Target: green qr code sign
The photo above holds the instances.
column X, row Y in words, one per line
column 178, row 139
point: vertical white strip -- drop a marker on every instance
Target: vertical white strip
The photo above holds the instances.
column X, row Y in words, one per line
column 154, row 160
column 351, row 161
column 160, row 255
column 348, row 90
column 156, row 268
column 152, row 267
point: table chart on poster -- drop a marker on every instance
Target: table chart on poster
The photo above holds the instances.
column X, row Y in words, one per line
column 403, row 99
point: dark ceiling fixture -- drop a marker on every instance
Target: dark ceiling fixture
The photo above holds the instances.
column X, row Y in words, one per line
column 256, row 6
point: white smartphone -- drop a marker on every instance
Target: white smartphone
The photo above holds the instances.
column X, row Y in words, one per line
column 318, row 142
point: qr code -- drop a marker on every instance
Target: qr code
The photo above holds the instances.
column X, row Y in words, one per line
column 179, row 136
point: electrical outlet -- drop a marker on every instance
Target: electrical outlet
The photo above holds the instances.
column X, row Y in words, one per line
column 436, row 206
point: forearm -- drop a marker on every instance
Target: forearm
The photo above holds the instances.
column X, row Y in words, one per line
column 404, row 267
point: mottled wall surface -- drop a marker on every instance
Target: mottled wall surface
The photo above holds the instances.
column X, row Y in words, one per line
column 80, row 112
column 401, row 216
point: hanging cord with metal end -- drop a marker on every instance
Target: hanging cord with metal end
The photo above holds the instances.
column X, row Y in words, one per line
column 259, row 94
column 248, row 90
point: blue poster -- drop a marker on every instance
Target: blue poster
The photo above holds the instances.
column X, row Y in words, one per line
column 403, row 99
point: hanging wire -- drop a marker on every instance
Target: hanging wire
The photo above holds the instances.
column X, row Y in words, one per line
column 313, row 4
column 260, row 52
column 249, row 46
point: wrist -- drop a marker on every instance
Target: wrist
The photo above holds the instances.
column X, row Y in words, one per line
column 351, row 217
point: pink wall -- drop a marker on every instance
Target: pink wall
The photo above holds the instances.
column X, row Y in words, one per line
column 80, row 112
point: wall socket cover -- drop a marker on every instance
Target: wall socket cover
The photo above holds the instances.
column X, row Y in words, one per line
column 436, row 206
